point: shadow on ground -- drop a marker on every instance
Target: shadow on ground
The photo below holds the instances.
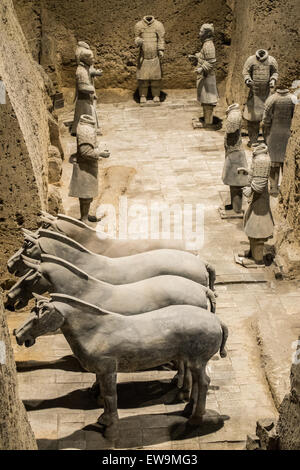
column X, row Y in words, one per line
column 130, row 395
column 137, row 431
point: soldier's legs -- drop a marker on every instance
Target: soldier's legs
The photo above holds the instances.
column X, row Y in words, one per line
column 208, row 110
column 257, row 249
column 253, row 131
column 274, row 178
column 155, row 89
column 143, row 90
column 236, row 195
column 84, row 208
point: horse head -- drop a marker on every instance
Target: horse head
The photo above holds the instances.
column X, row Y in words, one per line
column 44, row 319
column 30, row 248
column 22, row 291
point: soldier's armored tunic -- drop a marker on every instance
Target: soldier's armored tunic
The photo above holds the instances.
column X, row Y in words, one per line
column 260, row 75
column 84, row 181
column 277, row 119
column 258, row 220
column 234, row 158
column 149, row 37
column 207, row 92
column 85, row 95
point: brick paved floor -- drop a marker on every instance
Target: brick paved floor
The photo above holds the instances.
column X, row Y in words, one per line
column 174, row 164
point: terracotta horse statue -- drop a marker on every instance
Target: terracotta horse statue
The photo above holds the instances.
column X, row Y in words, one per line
column 99, row 242
column 57, row 275
column 106, row 343
column 122, row 270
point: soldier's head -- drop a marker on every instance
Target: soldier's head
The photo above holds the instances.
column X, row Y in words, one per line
column 86, row 56
column 81, row 45
column 206, row 31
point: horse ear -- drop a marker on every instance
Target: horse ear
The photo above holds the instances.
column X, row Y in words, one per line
column 47, row 220
column 28, row 233
column 47, row 215
column 40, row 297
column 31, row 263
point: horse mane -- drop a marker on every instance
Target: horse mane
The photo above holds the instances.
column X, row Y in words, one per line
column 68, row 299
column 64, row 239
column 77, row 222
column 67, row 265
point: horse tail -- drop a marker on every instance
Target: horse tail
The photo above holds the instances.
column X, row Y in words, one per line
column 211, row 276
column 212, row 299
column 223, row 352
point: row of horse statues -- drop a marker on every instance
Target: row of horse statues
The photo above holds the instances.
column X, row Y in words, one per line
column 120, row 308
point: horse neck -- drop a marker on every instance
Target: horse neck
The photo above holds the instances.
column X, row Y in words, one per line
column 60, row 277
column 67, row 252
column 77, row 328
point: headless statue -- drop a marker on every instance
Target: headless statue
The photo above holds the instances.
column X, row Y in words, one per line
column 277, row 119
column 149, row 37
column 234, row 158
column 260, row 75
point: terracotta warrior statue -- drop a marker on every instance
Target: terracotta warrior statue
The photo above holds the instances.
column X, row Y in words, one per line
column 84, row 182
column 258, row 220
column 149, row 37
column 260, row 75
column 85, row 90
column 277, row 119
column 234, row 158
column 207, row 93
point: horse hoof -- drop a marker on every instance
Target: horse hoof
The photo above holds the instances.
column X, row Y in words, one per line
column 111, row 433
column 188, row 409
column 183, row 395
column 103, row 420
column 195, row 421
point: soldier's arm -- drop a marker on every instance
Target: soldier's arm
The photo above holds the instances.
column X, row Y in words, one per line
column 137, row 33
column 88, row 152
column 83, row 82
column 268, row 113
column 273, row 70
column 95, row 72
column 161, row 37
column 258, row 184
column 247, row 71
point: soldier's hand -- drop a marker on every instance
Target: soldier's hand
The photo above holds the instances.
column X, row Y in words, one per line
column 199, row 70
column 249, row 83
column 105, row 154
column 161, row 54
column 139, row 41
column 247, row 191
column 272, row 83
column 242, row 170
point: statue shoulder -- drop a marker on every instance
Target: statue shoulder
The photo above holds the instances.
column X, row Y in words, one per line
column 158, row 25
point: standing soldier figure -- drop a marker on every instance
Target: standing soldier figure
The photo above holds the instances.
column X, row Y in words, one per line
column 149, row 37
column 260, row 74
column 84, row 182
column 277, row 119
column 234, row 158
column 258, row 220
column 207, row 93
column 85, row 90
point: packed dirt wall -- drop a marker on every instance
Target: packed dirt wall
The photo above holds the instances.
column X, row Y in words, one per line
column 53, row 27
column 24, row 136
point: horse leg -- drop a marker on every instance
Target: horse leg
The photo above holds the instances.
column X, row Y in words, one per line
column 179, row 376
column 184, row 393
column 203, row 383
column 190, row 407
column 108, row 385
